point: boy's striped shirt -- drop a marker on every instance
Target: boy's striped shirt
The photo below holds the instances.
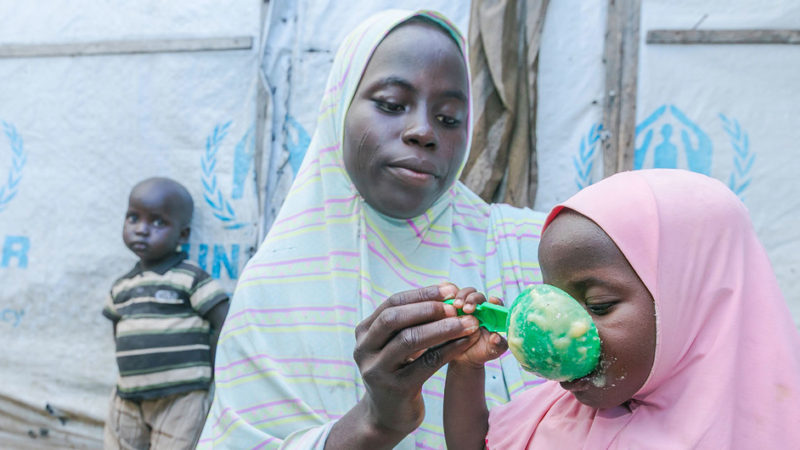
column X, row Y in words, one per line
column 162, row 337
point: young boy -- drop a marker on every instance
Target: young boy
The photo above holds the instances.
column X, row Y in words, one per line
column 167, row 314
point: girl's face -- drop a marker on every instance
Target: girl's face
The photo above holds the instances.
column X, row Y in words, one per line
column 406, row 130
column 578, row 257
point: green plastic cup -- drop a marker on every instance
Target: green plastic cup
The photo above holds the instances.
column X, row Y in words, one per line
column 548, row 332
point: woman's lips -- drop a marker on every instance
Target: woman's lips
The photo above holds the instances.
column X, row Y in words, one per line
column 412, row 175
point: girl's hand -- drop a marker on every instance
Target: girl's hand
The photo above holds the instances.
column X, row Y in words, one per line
column 485, row 345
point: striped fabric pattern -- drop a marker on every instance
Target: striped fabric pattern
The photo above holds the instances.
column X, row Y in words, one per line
column 284, row 369
column 162, row 339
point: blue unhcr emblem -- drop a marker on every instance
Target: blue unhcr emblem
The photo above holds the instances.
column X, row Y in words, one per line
column 9, row 190
column 242, row 161
column 584, row 161
column 697, row 148
column 742, row 158
column 669, row 139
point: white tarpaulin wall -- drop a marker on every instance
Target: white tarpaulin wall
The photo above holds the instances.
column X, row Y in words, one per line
column 75, row 134
column 738, row 106
column 727, row 106
column 729, row 111
column 78, row 132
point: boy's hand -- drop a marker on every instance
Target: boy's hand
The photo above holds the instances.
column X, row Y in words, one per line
column 485, row 345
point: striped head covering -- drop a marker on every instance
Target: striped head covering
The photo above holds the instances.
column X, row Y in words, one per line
column 284, row 366
column 726, row 372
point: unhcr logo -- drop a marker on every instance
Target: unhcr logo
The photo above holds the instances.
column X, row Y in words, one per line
column 221, row 205
column 668, row 139
column 9, row 189
column 659, row 147
column 14, row 247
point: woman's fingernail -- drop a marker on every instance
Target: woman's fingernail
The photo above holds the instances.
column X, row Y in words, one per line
column 448, row 290
column 469, row 323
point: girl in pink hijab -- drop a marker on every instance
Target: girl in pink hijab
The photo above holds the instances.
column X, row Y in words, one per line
column 699, row 349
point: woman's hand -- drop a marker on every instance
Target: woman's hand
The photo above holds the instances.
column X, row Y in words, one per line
column 485, row 345
column 398, row 347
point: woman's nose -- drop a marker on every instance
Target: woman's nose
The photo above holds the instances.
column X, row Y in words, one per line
column 419, row 130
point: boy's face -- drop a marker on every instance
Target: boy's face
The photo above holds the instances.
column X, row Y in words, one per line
column 153, row 225
column 405, row 132
column 578, row 256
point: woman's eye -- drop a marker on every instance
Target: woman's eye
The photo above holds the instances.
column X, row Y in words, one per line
column 447, row 120
column 599, row 309
column 389, row 106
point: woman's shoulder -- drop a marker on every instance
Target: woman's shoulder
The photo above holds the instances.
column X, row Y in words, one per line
column 522, row 222
column 504, row 211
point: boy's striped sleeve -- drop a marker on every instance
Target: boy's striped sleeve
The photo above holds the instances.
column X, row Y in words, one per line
column 207, row 294
column 109, row 310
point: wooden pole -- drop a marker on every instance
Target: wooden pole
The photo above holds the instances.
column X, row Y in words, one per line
column 619, row 102
column 119, row 47
column 630, row 71
column 723, row 37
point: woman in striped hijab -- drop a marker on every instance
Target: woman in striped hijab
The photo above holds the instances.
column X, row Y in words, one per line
column 376, row 231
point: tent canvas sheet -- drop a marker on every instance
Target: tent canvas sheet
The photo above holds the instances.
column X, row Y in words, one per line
column 232, row 125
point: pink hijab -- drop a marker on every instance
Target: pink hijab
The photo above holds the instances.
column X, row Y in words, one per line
column 726, row 372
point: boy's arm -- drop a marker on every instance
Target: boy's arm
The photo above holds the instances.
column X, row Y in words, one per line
column 466, row 417
column 216, row 317
column 110, row 313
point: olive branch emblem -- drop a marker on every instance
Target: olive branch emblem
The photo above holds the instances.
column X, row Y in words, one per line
column 221, row 207
column 9, row 191
column 742, row 158
column 584, row 160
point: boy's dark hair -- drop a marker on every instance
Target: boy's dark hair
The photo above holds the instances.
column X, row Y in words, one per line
column 177, row 195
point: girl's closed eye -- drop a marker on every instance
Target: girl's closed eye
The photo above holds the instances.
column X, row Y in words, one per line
column 600, row 309
column 600, row 297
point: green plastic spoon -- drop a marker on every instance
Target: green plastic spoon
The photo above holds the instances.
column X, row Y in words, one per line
column 492, row 317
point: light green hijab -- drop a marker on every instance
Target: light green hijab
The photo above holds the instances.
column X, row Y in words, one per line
column 284, row 366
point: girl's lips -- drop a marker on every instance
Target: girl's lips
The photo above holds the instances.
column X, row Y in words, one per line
column 138, row 246
column 581, row 384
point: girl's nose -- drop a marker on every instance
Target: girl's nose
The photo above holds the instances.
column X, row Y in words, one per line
column 420, row 130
